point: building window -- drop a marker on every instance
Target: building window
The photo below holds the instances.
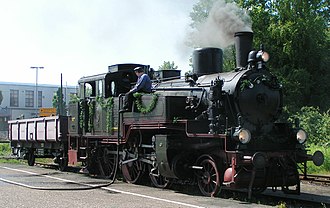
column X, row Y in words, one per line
column 39, row 99
column 14, row 98
column 29, row 98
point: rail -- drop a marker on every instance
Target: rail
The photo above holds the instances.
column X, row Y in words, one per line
column 312, row 178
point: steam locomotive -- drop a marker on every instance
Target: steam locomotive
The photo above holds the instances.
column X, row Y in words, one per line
column 212, row 128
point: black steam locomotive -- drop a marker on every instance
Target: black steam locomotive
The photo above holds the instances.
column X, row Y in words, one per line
column 211, row 128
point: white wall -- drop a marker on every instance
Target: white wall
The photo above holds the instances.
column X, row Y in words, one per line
column 28, row 112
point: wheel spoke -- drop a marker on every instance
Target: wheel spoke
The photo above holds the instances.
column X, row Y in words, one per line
column 106, row 162
column 209, row 178
column 132, row 171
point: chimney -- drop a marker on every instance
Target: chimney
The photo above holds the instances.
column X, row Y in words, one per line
column 243, row 45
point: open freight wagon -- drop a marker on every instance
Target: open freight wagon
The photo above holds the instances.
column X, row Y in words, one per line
column 44, row 137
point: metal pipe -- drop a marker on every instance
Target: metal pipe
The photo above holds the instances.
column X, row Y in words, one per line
column 179, row 88
column 36, row 68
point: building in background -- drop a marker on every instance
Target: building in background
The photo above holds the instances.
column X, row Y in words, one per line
column 18, row 101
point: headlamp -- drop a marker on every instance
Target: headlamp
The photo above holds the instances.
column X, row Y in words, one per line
column 262, row 55
column 265, row 56
column 301, row 136
column 244, row 136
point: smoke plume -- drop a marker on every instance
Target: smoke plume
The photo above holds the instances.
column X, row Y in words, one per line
column 219, row 28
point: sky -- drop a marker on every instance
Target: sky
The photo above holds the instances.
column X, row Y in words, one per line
column 83, row 37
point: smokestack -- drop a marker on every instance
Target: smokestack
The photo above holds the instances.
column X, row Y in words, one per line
column 207, row 61
column 243, row 45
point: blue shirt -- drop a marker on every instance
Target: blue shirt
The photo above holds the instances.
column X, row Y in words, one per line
column 143, row 84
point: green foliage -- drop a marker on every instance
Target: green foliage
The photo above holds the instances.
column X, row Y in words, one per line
column 108, row 107
column 229, row 62
column 74, row 98
column 167, row 65
column 88, row 91
column 260, row 12
column 175, row 120
column 82, row 113
column 5, row 149
column 296, row 87
column 282, row 205
column 58, row 102
column 91, row 110
column 297, row 36
column 11, row 161
column 141, row 108
column 200, row 12
column 245, row 84
column 316, row 124
column 198, row 16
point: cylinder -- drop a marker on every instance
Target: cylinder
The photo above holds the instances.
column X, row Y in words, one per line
column 207, row 61
column 243, row 45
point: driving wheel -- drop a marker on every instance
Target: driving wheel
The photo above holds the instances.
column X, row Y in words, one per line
column 208, row 179
column 132, row 168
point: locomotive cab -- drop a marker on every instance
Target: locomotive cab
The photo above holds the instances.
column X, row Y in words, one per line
column 96, row 94
column 118, row 80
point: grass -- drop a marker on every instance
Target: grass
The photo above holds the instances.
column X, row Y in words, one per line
column 11, row 161
column 5, row 149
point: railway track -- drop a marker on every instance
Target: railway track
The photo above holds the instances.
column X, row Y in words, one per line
column 267, row 198
column 74, row 169
column 312, row 178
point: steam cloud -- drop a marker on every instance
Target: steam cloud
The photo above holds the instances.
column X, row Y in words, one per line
column 219, row 28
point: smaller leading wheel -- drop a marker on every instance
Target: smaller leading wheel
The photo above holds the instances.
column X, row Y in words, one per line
column 92, row 164
column 208, row 179
column 106, row 160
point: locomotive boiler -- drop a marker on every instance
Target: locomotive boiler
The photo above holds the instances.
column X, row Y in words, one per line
column 211, row 128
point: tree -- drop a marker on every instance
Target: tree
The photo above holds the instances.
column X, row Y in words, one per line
column 167, row 65
column 316, row 124
column 214, row 23
column 297, row 36
column 200, row 12
column 58, row 102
